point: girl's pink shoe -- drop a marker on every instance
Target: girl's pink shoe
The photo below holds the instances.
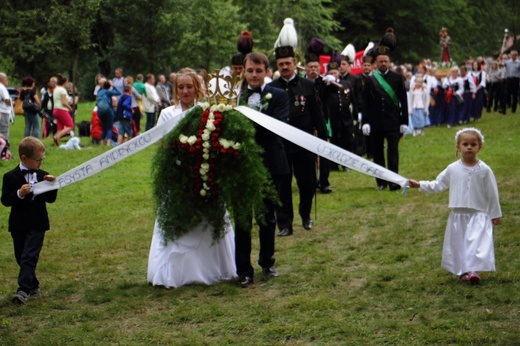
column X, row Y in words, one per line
column 464, row 277
column 473, row 278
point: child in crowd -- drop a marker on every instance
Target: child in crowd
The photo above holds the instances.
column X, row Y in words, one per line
column 419, row 103
column 28, row 219
column 475, row 208
column 124, row 116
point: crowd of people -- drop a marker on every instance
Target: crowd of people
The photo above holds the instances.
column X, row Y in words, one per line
column 365, row 114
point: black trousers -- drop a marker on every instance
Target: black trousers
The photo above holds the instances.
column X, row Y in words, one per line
column 27, row 247
column 266, row 236
column 511, row 94
column 324, row 172
column 303, row 166
column 494, row 96
column 392, row 151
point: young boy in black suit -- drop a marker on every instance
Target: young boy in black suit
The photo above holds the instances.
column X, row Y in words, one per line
column 28, row 219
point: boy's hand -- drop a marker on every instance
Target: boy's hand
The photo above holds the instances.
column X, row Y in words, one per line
column 49, row 177
column 25, row 190
column 496, row 222
column 414, row 184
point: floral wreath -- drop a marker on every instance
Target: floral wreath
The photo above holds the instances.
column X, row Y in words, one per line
column 209, row 163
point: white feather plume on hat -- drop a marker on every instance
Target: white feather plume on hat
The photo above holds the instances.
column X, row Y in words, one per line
column 288, row 35
column 349, row 52
column 368, row 48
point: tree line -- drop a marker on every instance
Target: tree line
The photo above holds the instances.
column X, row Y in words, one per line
column 85, row 37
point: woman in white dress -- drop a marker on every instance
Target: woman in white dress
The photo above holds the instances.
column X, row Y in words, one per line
column 194, row 257
column 475, row 209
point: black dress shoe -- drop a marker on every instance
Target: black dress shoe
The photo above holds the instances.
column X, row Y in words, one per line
column 244, row 281
column 285, row 232
column 307, row 224
column 271, row 271
column 325, row 189
column 381, row 187
column 395, row 187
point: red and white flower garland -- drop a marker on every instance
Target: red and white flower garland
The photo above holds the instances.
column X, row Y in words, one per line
column 207, row 146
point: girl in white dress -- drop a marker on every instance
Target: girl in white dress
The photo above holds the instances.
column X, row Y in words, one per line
column 475, row 208
column 194, row 257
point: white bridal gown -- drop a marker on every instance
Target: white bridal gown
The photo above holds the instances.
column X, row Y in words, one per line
column 192, row 258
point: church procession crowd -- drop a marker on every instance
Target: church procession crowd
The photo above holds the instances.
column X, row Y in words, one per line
column 367, row 114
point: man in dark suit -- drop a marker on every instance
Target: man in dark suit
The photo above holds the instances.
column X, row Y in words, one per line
column 305, row 114
column 275, row 103
column 28, row 220
column 337, row 104
column 385, row 111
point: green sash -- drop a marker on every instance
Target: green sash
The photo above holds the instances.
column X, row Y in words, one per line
column 386, row 87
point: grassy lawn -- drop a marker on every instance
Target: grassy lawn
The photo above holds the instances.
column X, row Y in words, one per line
column 367, row 274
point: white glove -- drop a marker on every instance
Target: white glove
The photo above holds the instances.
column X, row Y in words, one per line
column 329, row 78
column 366, row 129
column 403, row 129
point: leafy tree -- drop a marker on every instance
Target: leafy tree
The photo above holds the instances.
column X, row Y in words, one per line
column 209, row 35
column 72, row 22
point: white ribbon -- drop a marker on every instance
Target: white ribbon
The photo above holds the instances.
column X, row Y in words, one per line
column 321, row 147
column 298, row 137
column 110, row 157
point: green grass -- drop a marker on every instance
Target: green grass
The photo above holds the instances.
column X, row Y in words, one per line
column 368, row 273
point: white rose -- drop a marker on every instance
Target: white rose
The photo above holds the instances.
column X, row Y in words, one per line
column 213, row 108
column 183, row 139
column 221, row 107
column 236, row 146
column 204, row 178
column 205, row 137
column 268, row 96
column 203, row 192
column 192, row 140
column 229, row 107
column 204, row 166
column 224, row 143
column 204, row 105
column 211, row 116
column 206, row 145
column 210, row 126
column 205, row 156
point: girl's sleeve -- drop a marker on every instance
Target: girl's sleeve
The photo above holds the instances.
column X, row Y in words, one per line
column 438, row 185
column 494, row 210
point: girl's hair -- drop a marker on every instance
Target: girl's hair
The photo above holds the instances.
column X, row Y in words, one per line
column 470, row 130
column 28, row 81
column 479, row 64
column 61, row 79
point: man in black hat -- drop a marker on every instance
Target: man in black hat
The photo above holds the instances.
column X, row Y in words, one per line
column 368, row 61
column 385, row 110
column 312, row 68
column 305, row 114
column 237, row 64
column 338, row 99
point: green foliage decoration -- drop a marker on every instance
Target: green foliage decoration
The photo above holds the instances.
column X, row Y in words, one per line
column 191, row 187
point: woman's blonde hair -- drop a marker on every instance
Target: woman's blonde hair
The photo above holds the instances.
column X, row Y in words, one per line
column 188, row 72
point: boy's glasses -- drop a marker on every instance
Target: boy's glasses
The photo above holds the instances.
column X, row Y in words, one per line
column 38, row 160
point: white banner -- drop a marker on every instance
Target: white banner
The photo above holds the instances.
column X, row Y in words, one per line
column 298, row 137
column 322, row 148
column 110, row 157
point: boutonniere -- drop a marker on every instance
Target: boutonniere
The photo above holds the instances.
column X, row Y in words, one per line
column 264, row 102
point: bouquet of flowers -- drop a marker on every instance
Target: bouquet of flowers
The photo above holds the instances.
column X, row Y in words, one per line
column 210, row 162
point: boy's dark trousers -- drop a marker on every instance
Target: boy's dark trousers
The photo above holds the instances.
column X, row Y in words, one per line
column 27, row 247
